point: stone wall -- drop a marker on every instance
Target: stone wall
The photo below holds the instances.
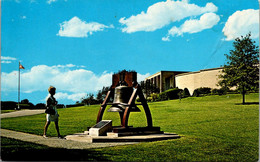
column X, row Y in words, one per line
column 203, row 78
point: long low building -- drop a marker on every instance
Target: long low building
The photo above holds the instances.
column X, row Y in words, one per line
column 203, row 78
column 164, row 80
column 191, row 80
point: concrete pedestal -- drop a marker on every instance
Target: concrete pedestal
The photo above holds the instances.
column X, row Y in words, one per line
column 101, row 128
column 113, row 137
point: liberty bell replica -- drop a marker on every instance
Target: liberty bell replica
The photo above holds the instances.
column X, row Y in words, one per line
column 124, row 91
column 122, row 95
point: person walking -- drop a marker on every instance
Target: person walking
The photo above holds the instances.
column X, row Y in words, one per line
column 51, row 112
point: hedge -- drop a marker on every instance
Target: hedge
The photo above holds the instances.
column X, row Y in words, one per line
column 169, row 94
column 186, row 92
column 75, row 105
column 8, row 105
column 201, row 91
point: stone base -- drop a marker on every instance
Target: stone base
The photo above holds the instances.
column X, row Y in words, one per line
column 113, row 137
column 129, row 134
column 131, row 131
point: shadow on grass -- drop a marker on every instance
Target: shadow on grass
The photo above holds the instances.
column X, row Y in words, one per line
column 248, row 103
column 15, row 150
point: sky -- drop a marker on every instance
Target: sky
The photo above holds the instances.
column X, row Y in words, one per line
column 76, row 45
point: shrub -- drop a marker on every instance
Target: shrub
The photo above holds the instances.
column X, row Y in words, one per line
column 195, row 93
column 201, row 91
column 149, row 99
column 162, row 96
column 173, row 93
column 31, row 105
column 40, row 106
column 186, row 92
column 215, row 91
column 169, row 94
column 75, row 105
column 60, row 106
column 8, row 105
column 204, row 90
column 233, row 91
column 180, row 94
column 24, row 106
column 154, row 97
column 220, row 91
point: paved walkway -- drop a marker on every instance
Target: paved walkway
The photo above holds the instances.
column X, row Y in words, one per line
column 22, row 113
column 52, row 141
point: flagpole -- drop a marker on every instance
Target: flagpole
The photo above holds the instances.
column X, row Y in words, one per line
column 19, row 87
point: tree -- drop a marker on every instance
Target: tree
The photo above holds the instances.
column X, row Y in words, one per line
column 101, row 95
column 148, row 88
column 242, row 67
column 25, row 101
column 90, row 100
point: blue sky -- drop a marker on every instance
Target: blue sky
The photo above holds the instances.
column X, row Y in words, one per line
column 76, row 45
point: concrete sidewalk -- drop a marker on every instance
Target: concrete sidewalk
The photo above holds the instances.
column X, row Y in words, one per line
column 22, row 113
column 56, row 142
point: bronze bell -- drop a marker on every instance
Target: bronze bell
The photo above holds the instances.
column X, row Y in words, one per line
column 121, row 97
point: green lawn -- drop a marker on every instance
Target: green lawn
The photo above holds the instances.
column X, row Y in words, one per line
column 213, row 128
column 7, row 111
column 15, row 150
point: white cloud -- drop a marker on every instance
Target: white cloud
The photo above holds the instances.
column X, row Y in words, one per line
column 78, row 28
column 206, row 21
column 167, row 38
column 64, row 66
column 51, row 1
column 141, row 77
column 241, row 23
column 40, row 77
column 6, row 62
column 163, row 13
column 70, row 84
column 73, row 97
column 23, row 17
column 7, row 59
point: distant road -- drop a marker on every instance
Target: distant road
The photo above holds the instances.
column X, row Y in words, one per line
column 22, row 113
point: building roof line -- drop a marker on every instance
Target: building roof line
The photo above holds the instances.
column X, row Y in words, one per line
column 200, row 71
column 158, row 73
column 183, row 72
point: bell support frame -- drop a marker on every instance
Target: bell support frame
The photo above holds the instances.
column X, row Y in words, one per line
column 124, row 123
column 137, row 91
column 104, row 104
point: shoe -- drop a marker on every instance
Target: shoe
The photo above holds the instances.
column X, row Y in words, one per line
column 60, row 137
column 44, row 136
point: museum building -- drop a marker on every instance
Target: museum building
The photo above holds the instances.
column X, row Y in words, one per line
column 165, row 80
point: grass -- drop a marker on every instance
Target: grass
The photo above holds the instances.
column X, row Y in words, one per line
column 213, row 128
column 7, row 111
column 15, row 150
